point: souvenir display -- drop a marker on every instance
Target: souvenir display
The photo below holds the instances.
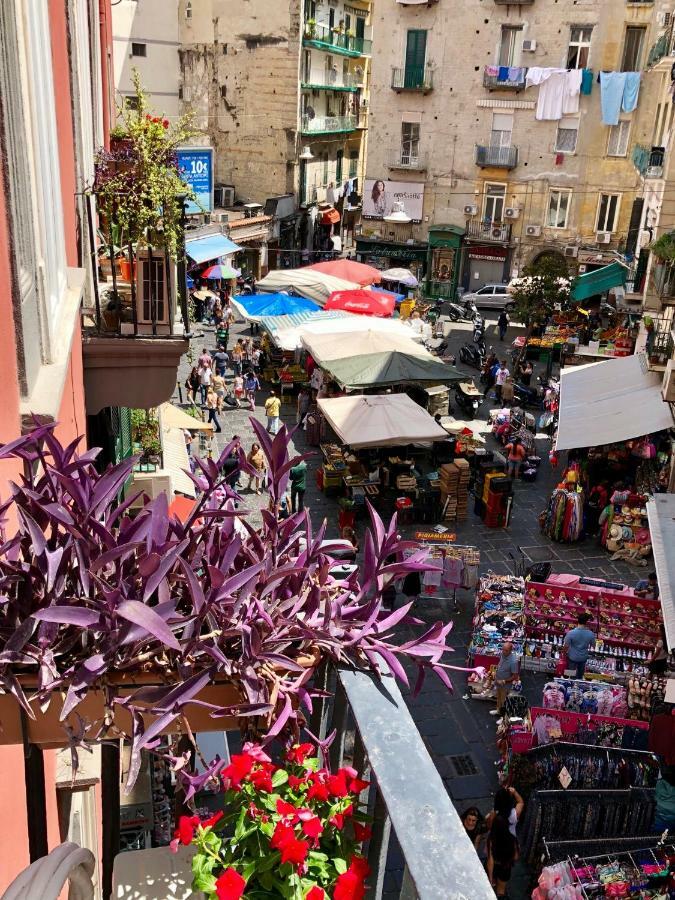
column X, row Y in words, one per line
column 498, row 617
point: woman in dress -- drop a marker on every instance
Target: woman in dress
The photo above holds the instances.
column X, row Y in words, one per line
column 379, row 198
column 256, row 459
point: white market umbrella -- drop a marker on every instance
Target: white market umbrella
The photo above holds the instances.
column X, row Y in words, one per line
column 402, row 276
column 306, row 282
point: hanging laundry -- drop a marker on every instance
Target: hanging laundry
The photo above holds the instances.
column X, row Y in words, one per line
column 503, row 73
column 492, row 71
column 587, row 81
column 517, row 74
column 556, row 90
column 572, row 88
column 612, row 85
column 631, row 91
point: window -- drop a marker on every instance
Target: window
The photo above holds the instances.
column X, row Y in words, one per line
column 139, row 49
column 566, row 138
column 617, row 144
column 495, row 195
column 509, row 51
column 415, row 57
column 632, row 49
column 502, row 129
column 188, row 10
column 579, row 47
column 353, row 163
column 307, row 66
column 608, row 212
column 324, row 160
column 331, row 18
column 153, row 289
column 339, row 156
column 310, row 9
column 410, row 143
column 558, row 209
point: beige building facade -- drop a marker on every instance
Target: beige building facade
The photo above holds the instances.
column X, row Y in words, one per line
column 444, row 120
column 280, row 90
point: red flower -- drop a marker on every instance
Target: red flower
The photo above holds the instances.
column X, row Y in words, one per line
column 282, row 835
column 359, row 866
column 299, row 752
column 238, row 769
column 253, row 810
column 165, row 123
column 213, row 820
column 349, row 887
column 294, row 782
column 318, row 791
column 337, row 784
column 294, row 851
column 362, row 832
column 316, row 893
column 356, row 785
column 262, row 780
column 186, row 829
column 287, row 810
column 313, row 827
column 230, row 885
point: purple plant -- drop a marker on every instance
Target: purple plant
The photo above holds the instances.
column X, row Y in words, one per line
column 90, row 591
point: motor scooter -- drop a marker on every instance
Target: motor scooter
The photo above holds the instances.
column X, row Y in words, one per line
column 528, row 395
column 473, row 354
column 468, row 398
column 457, row 311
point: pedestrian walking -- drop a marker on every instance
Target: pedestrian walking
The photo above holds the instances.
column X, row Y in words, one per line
column 205, row 377
column 237, row 357
column 238, row 388
column 218, row 385
column 577, row 643
column 205, row 359
column 256, row 459
column 272, row 410
column 500, row 379
column 302, row 406
column 505, row 674
column 503, row 324
column 192, row 383
column 516, row 455
column 255, row 359
column 251, row 385
column 298, row 480
column 212, row 407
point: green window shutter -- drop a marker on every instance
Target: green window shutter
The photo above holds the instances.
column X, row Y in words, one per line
column 415, row 57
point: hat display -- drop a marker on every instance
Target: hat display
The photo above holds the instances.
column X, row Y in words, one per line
column 627, row 533
column 616, row 532
column 642, row 536
column 613, row 545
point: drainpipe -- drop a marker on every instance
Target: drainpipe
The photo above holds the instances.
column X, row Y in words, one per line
column 105, row 39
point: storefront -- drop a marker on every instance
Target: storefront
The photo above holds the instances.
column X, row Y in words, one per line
column 444, row 261
column 252, row 234
column 484, row 265
column 393, row 254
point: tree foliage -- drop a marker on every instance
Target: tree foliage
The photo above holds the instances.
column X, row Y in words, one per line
column 544, row 285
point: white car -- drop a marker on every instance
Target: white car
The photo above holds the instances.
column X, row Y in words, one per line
column 494, row 296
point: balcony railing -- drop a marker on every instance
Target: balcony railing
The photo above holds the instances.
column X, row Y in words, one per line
column 412, row 78
column 662, row 47
column 329, row 124
column 326, row 38
column 495, row 232
column 493, row 82
column 497, row 157
column 332, row 81
column 660, row 345
column 413, row 161
column 648, row 160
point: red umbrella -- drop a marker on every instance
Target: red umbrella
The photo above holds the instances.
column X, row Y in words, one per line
column 349, row 270
column 368, row 303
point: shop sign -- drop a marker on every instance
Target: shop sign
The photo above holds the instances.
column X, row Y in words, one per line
column 392, row 251
column 435, row 537
column 196, row 169
column 379, row 197
column 490, row 253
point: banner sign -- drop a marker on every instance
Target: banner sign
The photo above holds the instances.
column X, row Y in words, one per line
column 379, row 197
column 196, row 170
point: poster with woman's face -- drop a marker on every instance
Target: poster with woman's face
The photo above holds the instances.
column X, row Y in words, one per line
column 379, row 197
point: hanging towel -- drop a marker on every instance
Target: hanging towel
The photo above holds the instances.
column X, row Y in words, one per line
column 503, row 73
column 516, row 74
column 612, row 86
column 536, row 75
column 587, row 81
column 631, row 91
column 551, row 100
column 492, row 71
column 572, row 88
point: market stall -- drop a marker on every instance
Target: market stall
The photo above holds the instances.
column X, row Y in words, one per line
column 363, row 302
column 388, row 368
column 253, row 307
column 323, row 324
column 388, row 420
column 498, row 617
column 306, row 282
column 348, row 270
column 337, row 342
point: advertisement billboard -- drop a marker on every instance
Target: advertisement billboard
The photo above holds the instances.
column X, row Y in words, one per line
column 196, row 169
column 379, row 197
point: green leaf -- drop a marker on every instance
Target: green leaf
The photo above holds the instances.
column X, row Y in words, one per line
column 312, row 764
column 280, row 777
column 266, row 880
column 205, row 882
column 249, row 870
column 340, row 865
column 239, row 828
column 318, row 856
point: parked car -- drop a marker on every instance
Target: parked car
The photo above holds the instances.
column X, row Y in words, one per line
column 494, row 296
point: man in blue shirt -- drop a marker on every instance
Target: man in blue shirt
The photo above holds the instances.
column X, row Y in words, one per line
column 505, row 674
column 577, row 643
column 647, row 587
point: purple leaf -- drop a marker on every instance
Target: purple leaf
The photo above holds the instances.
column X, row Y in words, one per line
column 110, row 485
column 68, row 615
column 142, row 615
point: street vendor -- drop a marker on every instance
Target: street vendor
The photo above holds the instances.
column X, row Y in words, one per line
column 647, row 588
column 578, row 642
column 505, row 675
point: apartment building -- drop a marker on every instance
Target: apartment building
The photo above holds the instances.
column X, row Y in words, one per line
column 145, row 39
column 455, row 133
column 283, row 98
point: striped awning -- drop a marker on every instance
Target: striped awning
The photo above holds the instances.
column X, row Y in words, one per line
column 278, row 323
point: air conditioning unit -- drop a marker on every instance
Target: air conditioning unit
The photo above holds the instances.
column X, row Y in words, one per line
column 571, row 250
column 668, row 384
column 603, row 237
column 529, row 46
column 223, row 196
column 151, row 483
column 511, row 212
column 498, row 233
column 470, row 210
column 533, row 230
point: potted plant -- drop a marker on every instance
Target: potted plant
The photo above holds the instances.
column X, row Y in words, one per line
column 310, row 28
column 145, row 624
column 287, row 831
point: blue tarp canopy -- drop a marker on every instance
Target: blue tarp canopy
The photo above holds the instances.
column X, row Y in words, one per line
column 597, row 282
column 399, row 298
column 213, row 246
column 255, row 306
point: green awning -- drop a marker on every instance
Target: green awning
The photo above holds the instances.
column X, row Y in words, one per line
column 599, row 281
column 388, row 369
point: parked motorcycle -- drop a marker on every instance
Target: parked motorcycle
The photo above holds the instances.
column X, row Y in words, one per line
column 528, row 395
column 457, row 311
column 473, row 354
column 468, row 398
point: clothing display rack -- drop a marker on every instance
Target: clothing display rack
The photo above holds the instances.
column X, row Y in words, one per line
column 459, row 563
column 593, row 766
column 563, row 519
column 556, row 851
column 498, row 617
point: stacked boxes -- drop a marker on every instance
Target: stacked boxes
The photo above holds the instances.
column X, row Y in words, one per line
column 455, row 490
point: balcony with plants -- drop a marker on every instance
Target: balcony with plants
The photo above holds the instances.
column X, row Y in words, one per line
column 147, row 628
column 134, row 335
column 336, row 39
column 412, row 78
column 333, row 79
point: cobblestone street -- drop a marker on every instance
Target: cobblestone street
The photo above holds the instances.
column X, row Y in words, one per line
column 460, row 734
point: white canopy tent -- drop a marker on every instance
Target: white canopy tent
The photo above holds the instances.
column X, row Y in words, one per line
column 339, row 344
column 291, row 339
column 661, row 514
column 306, row 282
column 610, row 401
column 382, row 420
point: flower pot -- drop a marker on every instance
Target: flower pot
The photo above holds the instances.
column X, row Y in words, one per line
column 126, row 270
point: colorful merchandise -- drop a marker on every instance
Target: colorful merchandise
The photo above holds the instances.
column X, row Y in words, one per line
column 498, row 616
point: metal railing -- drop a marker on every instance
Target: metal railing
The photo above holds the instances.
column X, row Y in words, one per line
column 412, row 78
column 499, row 157
column 335, row 39
column 493, row 82
column 660, row 345
column 662, row 47
column 328, row 124
column 402, row 160
column 333, row 80
column 498, row 232
column 406, row 796
column 44, row 879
